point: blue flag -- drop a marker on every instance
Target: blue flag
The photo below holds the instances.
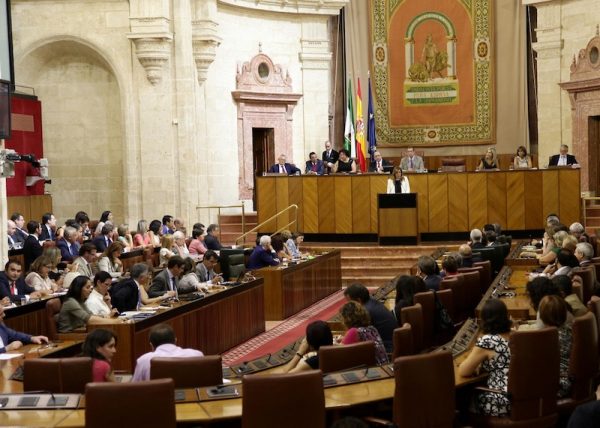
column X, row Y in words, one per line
column 371, row 137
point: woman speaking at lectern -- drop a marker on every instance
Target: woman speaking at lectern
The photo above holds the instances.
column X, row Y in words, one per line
column 398, row 183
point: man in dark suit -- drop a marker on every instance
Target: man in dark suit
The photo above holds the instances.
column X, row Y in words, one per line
column 103, row 241
column 314, row 165
column 379, row 164
column 262, row 256
column 32, row 248
column 282, row 167
column 13, row 340
column 20, row 222
column 211, row 241
column 12, row 285
column 330, row 157
column 125, row 294
column 563, row 159
column 48, row 227
column 69, row 249
column 467, row 256
column 168, row 279
column 426, row 270
column 205, row 269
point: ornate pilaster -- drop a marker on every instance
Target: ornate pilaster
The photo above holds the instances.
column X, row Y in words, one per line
column 153, row 52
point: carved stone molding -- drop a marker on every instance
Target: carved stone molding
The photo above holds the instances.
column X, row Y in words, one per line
column 152, row 52
column 265, row 99
column 312, row 7
column 205, row 41
column 316, row 54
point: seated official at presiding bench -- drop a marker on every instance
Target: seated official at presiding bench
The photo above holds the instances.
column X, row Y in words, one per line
column 262, row 256
column 314, row 165
column 412, row 162
column 379, row 164
column 563, row 159
column 344, row 163
column 398, row 183
column 282, row 167
column 11, row 340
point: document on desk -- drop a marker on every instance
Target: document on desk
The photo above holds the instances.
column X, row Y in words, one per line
column 6, row 356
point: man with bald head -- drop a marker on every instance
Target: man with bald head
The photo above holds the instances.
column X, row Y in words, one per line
column 467, row 256
column 11, row 231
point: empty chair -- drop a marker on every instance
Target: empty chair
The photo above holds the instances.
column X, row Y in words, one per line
column 57, row 375
column 587, row 277
column 190, row 372
column 413, row 315
column 427, row 302
column 403, row 341
column 446, row 298
column 583, row 364
column 486, row 275
column 335, row 358
column 472, row 290
column 424, row 394
column 284, row 400
column 459, row 294
column 237, row 265
column 532, row 381
column 113, row 404
column 453, row 164
column 52, row 310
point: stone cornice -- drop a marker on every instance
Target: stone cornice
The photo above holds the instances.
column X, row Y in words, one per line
column 306, row 7
column 536, row 2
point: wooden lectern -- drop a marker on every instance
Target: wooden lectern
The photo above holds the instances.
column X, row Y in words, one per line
column 398, row 219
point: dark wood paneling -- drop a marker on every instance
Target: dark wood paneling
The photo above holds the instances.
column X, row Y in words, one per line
column 438, row 203
column 310, row 207
column 326, row 204
column 515, row 201
column 458, row 207
column 361, row 204
column 295, row 186
column 534, row 196
column 266, row 201
column 496, row 198
column 477, row 185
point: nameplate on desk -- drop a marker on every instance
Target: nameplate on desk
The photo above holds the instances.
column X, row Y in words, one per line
column 39, row 401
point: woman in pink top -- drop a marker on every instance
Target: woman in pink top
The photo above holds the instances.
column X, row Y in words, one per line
column 100, row 345
column 142, row 238
column 197, row 246
column 356, row 319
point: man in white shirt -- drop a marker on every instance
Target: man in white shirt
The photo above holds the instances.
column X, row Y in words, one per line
column 98, row 301
column 163, row 343
column 564, row 158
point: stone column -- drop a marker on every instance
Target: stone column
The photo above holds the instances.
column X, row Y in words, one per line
column 549, row 49
column 315, row 59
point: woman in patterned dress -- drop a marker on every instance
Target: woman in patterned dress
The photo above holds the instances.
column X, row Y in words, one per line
column 491, row 354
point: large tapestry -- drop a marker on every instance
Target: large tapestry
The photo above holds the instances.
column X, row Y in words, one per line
column 433, row 71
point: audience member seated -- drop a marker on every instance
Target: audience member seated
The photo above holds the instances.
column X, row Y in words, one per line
column 13, row 238
column 55, row 258
column 293, row 244
column 101, row 346
column 179, row 247
column 406, row 288
column 450, row 265
column 490, row 238
column 356, row 319
column 564, row 263
column 586, row 416
column 48, row 227
column 74, row 315
column 155, row 232
column 38, row 278
column 345, row 163
column 411, row 162
column 281, row 253
column 262, row 255
column 489, row 161
column 565, row 286
column 491, row 354
column 20, row 233
column 99, row 302
column 32, row 248
column 382, row 319
column 286, row 237
column 522, row 160
column 179, row 226
column 578, row 231
column 129, row 294
column 314, row 165
column 84, row 221
column 537, row 289
column 163, row 344
column 124, row 237
column 197, row 245
column 12, row 285
column 166, row 249
column 378, row 164
column 553, row 313
column 168, row 227
column 110, row 262
column 142, row 237
column 563, row 158
column 205, row 270
column 189, row 281
column 468, row 258
column 211, row 240
column 87, row 256
column 168, row 279
column 105, row 217
column 68, row 245
column 329, row 157
column 426, row 270
column 476, row 239
column 11, row 340
column 103, row 241
column 318, row 334
column 398, row 183
column 282, row 167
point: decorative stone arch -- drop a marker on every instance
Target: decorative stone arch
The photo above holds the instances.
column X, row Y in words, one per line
column 265, row 100
column 409, row 41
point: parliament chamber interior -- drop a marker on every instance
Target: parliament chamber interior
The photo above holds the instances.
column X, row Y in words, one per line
column 299, row 213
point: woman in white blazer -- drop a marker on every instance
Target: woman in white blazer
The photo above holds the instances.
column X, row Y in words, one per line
column 398, row 183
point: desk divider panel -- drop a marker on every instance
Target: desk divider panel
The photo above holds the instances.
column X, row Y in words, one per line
column 534, row 200
column 266, row 198
column 295, row 186
column 283, row 201
column 477, row 199
column 497, row 198
column 343, row 205
column 377, row 185
column 326, row 204
column 550, row 191
column 458, row 210
column 515, row 200
column 361, row 198
column 438, row 203
column 419, row 185
column 310, row 205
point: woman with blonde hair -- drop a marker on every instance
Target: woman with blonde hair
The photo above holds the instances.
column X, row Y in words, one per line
column 166, row 250
column 489, row 161
column 398, row 182
column 38, row 276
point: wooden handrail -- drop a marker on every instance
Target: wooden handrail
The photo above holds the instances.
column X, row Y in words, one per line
column 254, row 229
column 219, row 207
